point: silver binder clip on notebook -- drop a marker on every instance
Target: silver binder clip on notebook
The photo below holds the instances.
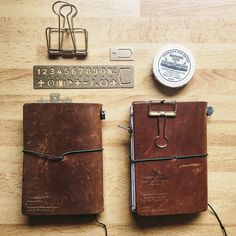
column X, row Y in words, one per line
column 65, row 40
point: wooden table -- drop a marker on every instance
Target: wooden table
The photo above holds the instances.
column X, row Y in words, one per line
column 207, row 28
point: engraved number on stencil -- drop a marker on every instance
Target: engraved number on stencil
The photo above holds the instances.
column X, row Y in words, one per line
column 73, row 71
column 95, row 70
column 66, row 71
column 44, row 71
column 88, row 71
column 81, row 69
column 52, row 71
column 59, row 71
column 103, row 71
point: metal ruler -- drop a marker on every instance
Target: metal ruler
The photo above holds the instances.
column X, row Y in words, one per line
column 83, row 76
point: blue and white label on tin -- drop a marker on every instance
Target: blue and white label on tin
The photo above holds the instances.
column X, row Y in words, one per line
column 173, row 66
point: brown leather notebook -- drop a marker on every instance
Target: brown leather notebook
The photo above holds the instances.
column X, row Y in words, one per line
column 168, row 157
column 62, row 163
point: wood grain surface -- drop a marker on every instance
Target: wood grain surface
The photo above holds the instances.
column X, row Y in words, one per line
column 207, row 28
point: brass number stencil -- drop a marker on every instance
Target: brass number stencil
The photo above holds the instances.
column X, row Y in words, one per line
column 83, row 76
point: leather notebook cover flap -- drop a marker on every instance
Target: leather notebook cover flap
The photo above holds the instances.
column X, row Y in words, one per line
column 70, row 186
column 172, row 185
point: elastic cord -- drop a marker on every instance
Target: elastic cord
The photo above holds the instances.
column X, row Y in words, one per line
column 217, row 217
column 169, row 158
column 61, row 157
column 101, row 224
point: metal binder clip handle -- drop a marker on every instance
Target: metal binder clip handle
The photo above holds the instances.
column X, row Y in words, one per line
column 61, row 27
column 156, row 140
column 159, row 137
column 65, row 13
column 69, row 19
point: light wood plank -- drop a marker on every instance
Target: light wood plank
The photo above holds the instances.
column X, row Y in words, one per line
column 188, row 7
column 207, row 28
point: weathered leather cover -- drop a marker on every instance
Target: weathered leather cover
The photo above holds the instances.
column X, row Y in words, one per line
column 74, row 185
column 177, row 186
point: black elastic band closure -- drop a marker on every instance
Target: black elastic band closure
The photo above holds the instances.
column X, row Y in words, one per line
column 218, row 218
column 61, row 157
column 169, row 158
column 101, row 224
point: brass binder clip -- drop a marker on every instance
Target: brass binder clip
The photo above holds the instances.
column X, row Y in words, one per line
column 165, row 114
column 65, row 13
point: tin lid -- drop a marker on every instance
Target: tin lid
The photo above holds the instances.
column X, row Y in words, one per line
column 174, row 66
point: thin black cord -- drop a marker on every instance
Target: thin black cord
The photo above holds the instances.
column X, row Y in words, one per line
column 61, row 157
column 101, row 224
column 169, row 158
column 217, row 217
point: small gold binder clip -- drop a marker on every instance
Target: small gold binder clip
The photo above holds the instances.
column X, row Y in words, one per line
column 161, row 140
column 63, row 41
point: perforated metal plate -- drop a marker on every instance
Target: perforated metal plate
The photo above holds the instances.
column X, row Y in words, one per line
column 83, row 76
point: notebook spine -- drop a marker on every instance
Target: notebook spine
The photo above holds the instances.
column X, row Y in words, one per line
column 132, row 164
